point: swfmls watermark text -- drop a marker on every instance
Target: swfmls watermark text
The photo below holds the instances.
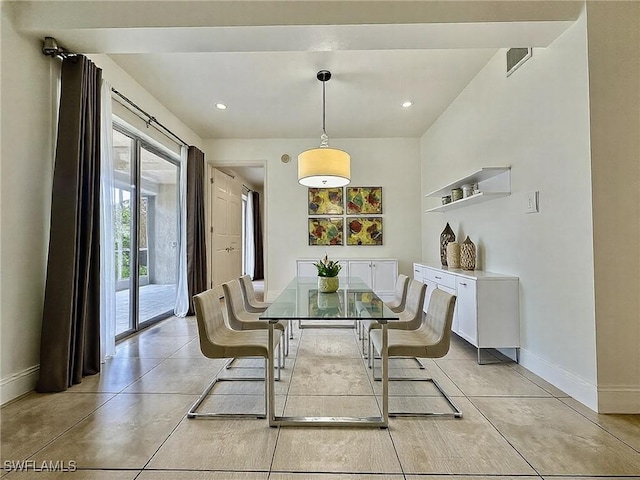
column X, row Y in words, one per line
column 39, row 466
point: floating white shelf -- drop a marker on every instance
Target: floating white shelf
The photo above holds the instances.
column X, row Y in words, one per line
column 493, row 182
column 465, row 202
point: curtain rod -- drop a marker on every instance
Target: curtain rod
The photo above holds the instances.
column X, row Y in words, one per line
column 51, row 48
column 150, row 118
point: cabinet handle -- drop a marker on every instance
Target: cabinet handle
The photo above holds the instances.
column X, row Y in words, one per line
column 438, row 278
column 463, row 284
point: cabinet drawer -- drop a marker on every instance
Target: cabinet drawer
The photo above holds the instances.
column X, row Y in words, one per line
column 439, row 277
column 417, row 272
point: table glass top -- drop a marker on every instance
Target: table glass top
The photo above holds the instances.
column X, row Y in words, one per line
column 354, row 300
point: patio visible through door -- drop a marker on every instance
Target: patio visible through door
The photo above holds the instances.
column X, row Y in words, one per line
column 145, row 230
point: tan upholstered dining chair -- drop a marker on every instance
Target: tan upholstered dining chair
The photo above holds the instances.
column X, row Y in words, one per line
column 431, row 340
column 253, row 305
column 400, row 294
column 217, row 340
column 410, row 318
column 239, row 319
column 396, row 305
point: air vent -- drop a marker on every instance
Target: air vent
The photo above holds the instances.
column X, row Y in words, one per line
column 516, row 57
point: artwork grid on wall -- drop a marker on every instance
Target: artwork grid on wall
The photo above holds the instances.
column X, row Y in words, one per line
column 364, row 231
column 326, row 231
column 364, row 200
column 326, row 201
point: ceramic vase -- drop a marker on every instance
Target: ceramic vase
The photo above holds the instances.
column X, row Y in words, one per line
column 446, row 236
column 328, row 284
column 468, row 255
column 453, row 255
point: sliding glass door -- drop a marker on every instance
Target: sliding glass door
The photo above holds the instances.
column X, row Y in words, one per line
column 146, row 231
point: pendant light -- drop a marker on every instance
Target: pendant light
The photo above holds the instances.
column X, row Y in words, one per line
column 324, row 167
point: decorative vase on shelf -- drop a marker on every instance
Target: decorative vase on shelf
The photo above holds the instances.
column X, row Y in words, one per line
column 468, row 255
column 453, row 255
column 328, row 284
column 446, row 236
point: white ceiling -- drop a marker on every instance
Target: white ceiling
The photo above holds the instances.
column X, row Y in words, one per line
column 277, row 95
column 260, row 58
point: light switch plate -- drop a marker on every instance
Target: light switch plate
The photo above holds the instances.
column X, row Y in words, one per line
column 532, row 202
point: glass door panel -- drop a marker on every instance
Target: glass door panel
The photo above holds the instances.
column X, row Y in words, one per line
column 157, row 235
column 123, row 218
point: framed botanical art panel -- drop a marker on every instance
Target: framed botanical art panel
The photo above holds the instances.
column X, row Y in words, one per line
column 325, row 201
column 364, row 200
column 364, row 231
column 326, row 231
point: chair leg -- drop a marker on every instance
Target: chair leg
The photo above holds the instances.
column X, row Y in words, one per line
column 281, row 353
column 364, row 350
column 266, row 384
column 288, row 336
column 278, row 368
column 192, row 413
column 456, row 413
column 281, row 359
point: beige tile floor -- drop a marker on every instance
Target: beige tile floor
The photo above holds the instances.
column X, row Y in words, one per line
column 129, row 421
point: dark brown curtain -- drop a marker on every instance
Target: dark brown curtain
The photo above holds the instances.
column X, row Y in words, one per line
column 70, row 344
column 196, row 235
column 258, row 271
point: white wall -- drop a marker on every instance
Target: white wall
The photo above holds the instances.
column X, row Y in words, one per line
column 614, row 86
column 393, row 163
column 537, row 122
column 121, row 81
column 26, row 179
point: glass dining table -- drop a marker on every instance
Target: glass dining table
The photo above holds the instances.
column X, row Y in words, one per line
column 354, row 301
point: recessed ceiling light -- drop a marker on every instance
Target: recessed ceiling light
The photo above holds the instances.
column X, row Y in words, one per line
column 221, row 106
column 407, row 104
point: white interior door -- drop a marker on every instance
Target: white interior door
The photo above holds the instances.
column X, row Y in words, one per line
column 234, row 230
column 226, row 227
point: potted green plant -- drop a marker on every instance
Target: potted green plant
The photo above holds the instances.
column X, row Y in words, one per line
column 328, row 281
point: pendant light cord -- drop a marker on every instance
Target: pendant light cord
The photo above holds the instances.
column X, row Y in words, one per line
column 324, row 83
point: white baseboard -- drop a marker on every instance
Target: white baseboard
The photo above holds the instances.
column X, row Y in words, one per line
column 619, row 399
column 18, row 384
column 577, row 387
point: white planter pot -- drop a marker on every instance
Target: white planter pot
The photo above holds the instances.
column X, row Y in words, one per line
column 328, row 284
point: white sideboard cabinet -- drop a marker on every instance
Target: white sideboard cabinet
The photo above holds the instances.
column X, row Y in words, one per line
column 487, row 313
column 379, row 274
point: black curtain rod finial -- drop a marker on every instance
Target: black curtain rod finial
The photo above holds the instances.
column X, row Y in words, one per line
column 50, row 48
